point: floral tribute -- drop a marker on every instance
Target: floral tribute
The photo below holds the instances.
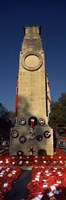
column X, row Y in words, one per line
column 49, row 180
column 7, row 177
column 48, row 175
column 47, row 183
column 21, row 160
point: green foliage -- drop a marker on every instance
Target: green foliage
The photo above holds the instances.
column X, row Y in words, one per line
column 62, row 99
column 3, row 110
column 8, row 116
column 58, row 112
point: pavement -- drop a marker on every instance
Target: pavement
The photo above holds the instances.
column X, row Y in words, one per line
column 20, row 191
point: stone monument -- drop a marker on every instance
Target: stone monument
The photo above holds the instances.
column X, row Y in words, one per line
column 31, row 134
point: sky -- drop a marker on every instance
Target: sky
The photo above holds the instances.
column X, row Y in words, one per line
column 51, row 16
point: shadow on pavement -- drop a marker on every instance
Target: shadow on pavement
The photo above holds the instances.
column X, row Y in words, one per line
column 20, row 190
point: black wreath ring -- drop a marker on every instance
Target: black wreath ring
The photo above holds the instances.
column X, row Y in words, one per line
column 39, row 138
column 14, row 133
column 22, row 121
column 47, row 134
column 20, row 153
column 22, row 139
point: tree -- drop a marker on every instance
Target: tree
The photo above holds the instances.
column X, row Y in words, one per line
column 3, row 110
column 58, row 112
column 12, row 118
column 7, row 120
column 62, row 100
column 7, row 116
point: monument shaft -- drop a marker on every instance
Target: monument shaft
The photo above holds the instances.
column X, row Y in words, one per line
column 31, row 134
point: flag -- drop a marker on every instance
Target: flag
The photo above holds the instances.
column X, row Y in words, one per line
column 48, row 96
column 16, row 102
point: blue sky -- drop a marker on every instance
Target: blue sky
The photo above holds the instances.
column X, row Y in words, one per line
column 51, row 15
